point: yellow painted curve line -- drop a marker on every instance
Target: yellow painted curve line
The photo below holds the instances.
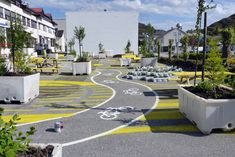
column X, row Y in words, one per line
column 27, row 118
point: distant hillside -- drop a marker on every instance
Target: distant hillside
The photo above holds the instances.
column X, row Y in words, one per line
column 224, row 23
column 143, row 29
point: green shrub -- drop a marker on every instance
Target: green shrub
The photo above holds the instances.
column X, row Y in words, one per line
column 21, row 63
column 185, row 56
column 73, row 52
column 12, row 141
column 84, row 57
column 204, row 87
column 3, row 68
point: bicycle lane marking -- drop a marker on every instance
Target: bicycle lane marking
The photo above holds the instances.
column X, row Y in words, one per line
column 80, row 112
column 122, row 126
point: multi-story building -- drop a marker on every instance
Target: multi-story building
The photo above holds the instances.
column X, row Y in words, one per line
column 39, row 24
column 61, row 41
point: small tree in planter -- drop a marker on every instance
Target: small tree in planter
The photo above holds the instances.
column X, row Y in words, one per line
column 20, row 84
column 2, row 40
column 81, row 65
column 208, row 104
column 128, row 47
column 148, row 58
column 170, row 49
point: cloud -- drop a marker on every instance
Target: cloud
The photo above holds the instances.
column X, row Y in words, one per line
column 182, row 10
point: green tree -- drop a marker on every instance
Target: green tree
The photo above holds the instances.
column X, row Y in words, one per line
column 150, row 40
column 2, row 40
column 227, row 38
column 80, row 35
column 128, row 47
column 184, row 41
column 170, row 48
column 18, row 38
column 214, row 64
column 158, row 49
column 71, row 44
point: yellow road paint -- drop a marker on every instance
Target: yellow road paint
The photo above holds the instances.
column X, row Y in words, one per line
column 164, row 115
column 168, row 104
column 51, row 101
column 52, row 83
column 97, row 65
column 58, row 99
column 36, row 117
column 172, row 128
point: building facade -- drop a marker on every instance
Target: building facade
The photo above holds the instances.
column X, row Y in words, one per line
column 39, row 24
column 174, row 34
column 112, row 29
column 61, row 41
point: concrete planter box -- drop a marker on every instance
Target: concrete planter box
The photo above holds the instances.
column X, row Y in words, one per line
column 19, row 88
column 101, row 55
column 53, row 55
column 81, row 68
column 57, row 152
column 207, row 114
column 149, row 62
column 70, row 58
column 125, row 61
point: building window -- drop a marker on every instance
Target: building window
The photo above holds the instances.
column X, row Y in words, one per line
column 24, row 20
column 34, row 24
column 45, row 28
column 28, row 22
column 50, row 30
column 7, row 14
column 13, row 16
column 1, row 12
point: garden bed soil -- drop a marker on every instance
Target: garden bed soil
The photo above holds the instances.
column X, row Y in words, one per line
column 16, row 74
column 37, row 152
column 220, row 93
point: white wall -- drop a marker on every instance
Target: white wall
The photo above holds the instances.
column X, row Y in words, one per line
column 112, row 29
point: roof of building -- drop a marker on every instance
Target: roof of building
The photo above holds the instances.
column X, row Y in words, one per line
column 59, row 33
column 170, row 31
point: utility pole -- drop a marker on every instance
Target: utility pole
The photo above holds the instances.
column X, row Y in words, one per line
column 204, row 46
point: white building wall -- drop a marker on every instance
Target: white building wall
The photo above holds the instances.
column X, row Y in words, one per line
column 112, row 29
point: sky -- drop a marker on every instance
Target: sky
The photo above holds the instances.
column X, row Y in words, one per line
column 162, row 14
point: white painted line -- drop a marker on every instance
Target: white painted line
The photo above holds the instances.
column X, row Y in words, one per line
column 77, row 113
column 122, row 126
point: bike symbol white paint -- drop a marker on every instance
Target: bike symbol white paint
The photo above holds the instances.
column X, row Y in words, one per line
column 110, row 82
column 132, row 91
column 112, row 113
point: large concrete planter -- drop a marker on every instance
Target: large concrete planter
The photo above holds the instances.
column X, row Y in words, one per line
column 101, row 55
column 70, row 57
column 207, row 114
column 81, row 68
column 53, row 55
column 57, row 152
column 149, row 62
column 19, row 88
column 125, row 61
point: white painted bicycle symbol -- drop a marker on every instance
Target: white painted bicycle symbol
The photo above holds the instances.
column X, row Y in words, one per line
column 132, row 91
column 112, row 113
column 110, row 82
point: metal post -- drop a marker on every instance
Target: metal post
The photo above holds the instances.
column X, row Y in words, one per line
column 204, row 46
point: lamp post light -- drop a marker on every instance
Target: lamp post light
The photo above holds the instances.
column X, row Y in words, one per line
column 179, row 27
